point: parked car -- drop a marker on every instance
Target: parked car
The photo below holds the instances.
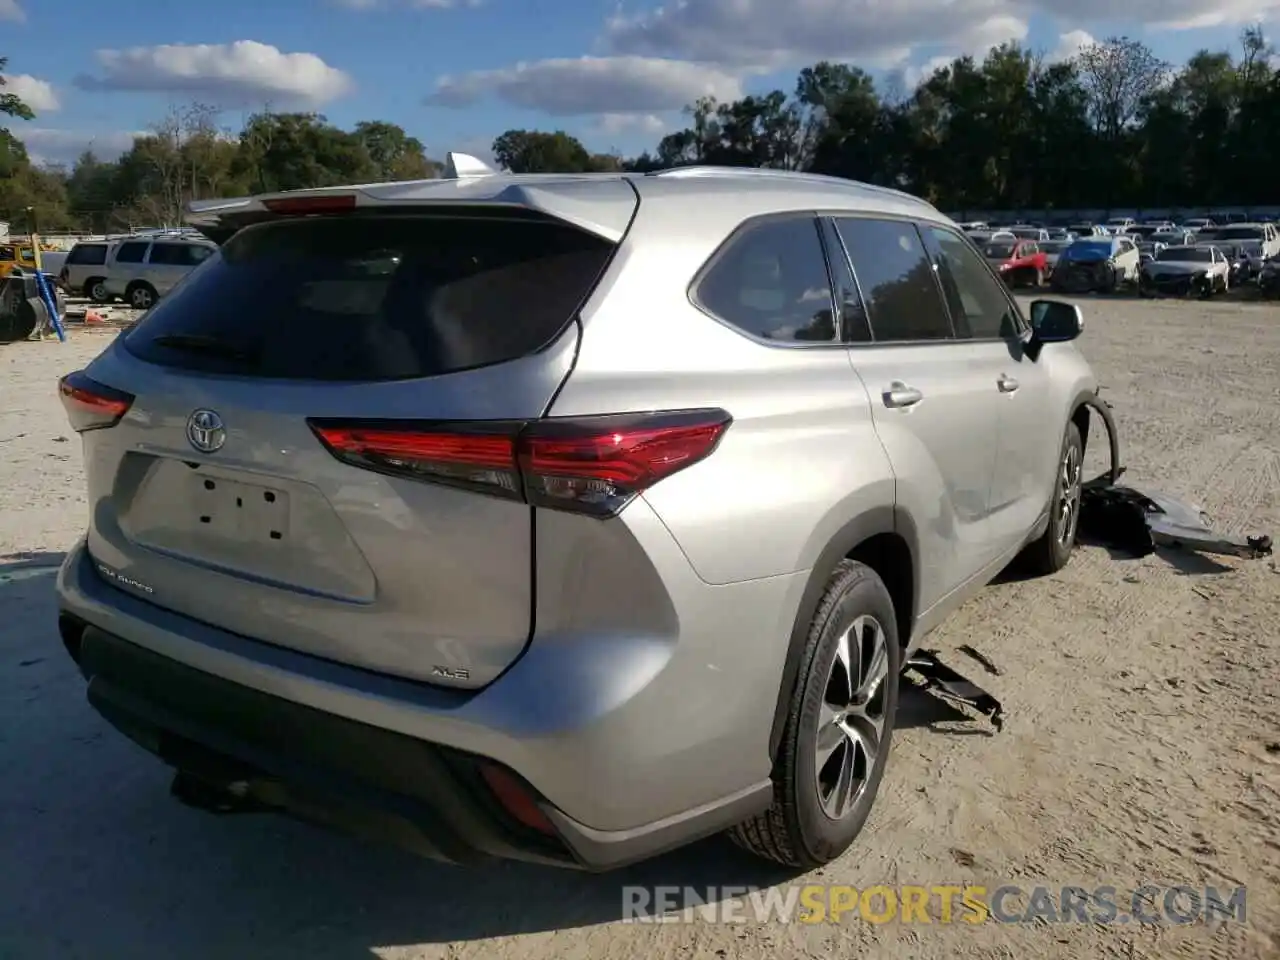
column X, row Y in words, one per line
column 84, row 272
column 1198, row 223
column 1052, row 249
column 1269, row 278
column 1117, row 225
column 1019, row 262
column 1179, row 271
column 16, row 255
column 1086, row 229
column 1097, row 264
column 1149, row 249
column 1264, row 234
column 1174, row 238
column 1030, row 233
column 360, row 546
column 141, row 270
column 1245, row 258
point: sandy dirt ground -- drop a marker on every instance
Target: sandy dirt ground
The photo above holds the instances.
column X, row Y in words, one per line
column 1141, row 744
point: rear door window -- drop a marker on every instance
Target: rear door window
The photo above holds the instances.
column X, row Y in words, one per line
column 374, row 297
column 166, row 254
column 895, row 274
column 133, row 252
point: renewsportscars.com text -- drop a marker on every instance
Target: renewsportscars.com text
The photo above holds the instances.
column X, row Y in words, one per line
column 935, row 904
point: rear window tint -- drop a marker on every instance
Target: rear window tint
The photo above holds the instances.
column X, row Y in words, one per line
column 373, row 298
column 91, row 254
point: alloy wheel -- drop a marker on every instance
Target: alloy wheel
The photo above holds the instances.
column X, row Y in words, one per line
column 851, row 720
column 1069, row 498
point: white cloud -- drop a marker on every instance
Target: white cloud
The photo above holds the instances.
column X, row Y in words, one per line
column 978, row 44
column 1069, row 45
column 37, row 94
column 236, row 73
column 47, row 145
column 590, row 85
column 768, row 34
column 10, row 10
column 912, row 75
column 1171, row 14
column 647, row 124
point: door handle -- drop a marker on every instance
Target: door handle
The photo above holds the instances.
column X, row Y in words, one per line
column 1007, row 384
column 900, row 395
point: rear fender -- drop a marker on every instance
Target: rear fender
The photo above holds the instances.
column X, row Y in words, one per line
column 880, row 520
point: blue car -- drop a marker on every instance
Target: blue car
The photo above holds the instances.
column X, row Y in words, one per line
column 1097, row 265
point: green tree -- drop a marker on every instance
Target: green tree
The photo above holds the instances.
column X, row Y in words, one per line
column 533, row 151
column 394, row 154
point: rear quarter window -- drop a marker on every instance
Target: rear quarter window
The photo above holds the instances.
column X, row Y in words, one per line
column 374, row 297
column 88, row 254
column 133, row 252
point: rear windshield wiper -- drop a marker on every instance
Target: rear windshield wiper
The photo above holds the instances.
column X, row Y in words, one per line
column 212, row 346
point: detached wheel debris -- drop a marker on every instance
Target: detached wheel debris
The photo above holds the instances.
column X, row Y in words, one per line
column 1128, row 519
column 939, row 677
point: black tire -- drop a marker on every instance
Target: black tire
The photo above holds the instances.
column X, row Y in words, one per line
column 33, row 318
column 1052, row 550
column 141, row 296
column 796, row 830
column 95, row 289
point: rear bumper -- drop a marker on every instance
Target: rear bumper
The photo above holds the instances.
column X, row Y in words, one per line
column 301, row 761
column 392, row 759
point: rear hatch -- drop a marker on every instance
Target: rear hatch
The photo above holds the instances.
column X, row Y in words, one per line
column 220, row 493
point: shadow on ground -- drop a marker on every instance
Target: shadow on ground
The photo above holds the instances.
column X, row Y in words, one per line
column 100, row 863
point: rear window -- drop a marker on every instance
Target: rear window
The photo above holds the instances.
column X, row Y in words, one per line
column 90, row 254
column 374, row 298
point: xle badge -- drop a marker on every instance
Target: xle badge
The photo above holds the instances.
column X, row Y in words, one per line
column 451, row 673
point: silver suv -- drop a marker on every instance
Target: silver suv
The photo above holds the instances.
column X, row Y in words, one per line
column 563, row 518
column 141, row 270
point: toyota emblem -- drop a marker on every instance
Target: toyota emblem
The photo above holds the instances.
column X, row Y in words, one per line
column 206, row 431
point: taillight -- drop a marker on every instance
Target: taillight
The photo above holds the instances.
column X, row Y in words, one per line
column 300, row 206
column 480, row 456
column 593, row 465
column 91, row 405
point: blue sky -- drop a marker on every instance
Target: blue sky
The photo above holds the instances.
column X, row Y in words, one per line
column 455, row 73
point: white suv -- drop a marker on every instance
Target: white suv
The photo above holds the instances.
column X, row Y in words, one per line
column 143, row 269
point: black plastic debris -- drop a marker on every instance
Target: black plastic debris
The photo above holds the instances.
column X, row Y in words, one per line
column 1135, row 522
column 939, row 677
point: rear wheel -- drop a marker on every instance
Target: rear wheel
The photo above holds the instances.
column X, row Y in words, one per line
column 141, row 296
column 95, row 289
column 839, row 726
column 1050, row 553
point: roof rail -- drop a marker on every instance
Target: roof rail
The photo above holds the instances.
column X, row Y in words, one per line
column 462, row 166
column 770, row 173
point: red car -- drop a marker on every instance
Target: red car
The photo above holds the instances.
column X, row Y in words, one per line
column 1019, row 262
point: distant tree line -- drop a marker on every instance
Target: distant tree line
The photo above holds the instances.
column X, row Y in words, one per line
column 1112, row 126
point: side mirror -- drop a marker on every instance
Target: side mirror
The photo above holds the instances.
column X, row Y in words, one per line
column 1055, row 321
